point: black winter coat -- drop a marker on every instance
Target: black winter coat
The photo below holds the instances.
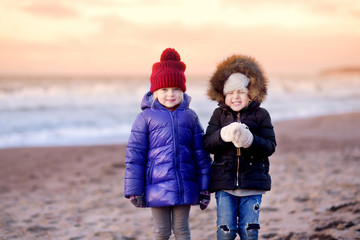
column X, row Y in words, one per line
column 250, row 170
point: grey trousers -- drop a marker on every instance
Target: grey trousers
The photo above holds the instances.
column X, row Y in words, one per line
column 174, row 217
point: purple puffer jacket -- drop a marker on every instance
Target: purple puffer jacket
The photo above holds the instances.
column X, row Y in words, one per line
column 165, row 159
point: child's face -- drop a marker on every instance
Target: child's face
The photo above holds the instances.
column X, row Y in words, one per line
column 169, row 97
column 236, row 100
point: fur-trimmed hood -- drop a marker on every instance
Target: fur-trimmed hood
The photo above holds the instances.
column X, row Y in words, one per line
column 239, row 64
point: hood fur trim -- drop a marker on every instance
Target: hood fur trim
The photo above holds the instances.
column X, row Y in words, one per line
column 239, row 64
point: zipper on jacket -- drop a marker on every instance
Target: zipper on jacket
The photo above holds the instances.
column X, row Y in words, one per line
column 237, row 171
column 176, row 159
column 238, row 154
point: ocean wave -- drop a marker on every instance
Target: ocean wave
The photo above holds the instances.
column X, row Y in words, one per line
column 48, row 111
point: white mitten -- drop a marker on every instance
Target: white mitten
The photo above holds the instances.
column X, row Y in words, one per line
column 227, row 133
column 243, row 137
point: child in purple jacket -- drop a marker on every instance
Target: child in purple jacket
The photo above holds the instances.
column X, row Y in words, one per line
column 167, row 168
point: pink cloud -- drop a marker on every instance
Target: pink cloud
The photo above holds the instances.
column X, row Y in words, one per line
column 125, row 47
column 51, row 10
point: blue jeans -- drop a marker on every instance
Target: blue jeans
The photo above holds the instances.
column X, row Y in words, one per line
column 237, row 215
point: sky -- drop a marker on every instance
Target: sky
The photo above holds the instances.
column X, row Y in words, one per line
column 127, row 36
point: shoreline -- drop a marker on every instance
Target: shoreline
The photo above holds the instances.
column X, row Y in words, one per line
column 123, row 143
column 76, row 192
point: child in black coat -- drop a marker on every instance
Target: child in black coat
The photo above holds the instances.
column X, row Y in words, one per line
column 241, row 137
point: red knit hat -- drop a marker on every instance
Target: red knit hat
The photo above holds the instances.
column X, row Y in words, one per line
column 169, row 72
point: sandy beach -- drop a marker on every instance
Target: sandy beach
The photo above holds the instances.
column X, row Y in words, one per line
column 76, row 193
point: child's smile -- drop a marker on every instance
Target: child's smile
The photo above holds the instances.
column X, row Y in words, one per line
column 236, row 100
column 169, row 97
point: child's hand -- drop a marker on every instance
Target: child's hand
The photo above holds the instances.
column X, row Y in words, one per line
column 227, row 133
column 204, row 199
column 243, row 137
column 138, row 201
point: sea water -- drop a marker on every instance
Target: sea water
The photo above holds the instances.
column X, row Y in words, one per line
column 86, row 110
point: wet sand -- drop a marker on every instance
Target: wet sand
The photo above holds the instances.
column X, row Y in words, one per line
column 76, row 193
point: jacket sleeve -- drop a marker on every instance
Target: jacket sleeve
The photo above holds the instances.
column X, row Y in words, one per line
column 136, row 158
column 264, row 142
column 212, row 139
column 202, row 158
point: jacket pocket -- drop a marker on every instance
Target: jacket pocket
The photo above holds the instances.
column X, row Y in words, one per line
column 256, row 169
column 150, row 172
column 217, row 170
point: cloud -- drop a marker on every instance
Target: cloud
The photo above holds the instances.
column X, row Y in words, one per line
column 125, row 47
column 324, row 8
column 333, row 9
column 51, row 10
column 105, row 40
